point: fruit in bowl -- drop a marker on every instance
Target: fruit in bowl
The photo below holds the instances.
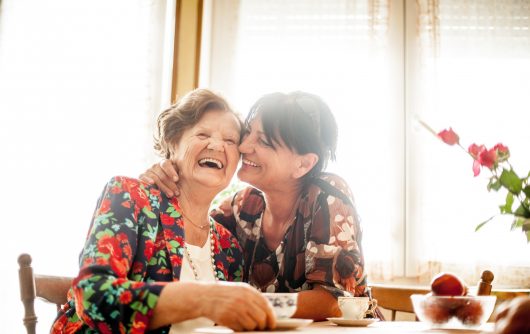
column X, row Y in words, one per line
column 453, row 311
column 449, row 306
column 447, row 284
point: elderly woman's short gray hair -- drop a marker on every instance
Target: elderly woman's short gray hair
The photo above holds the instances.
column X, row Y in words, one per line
column 183, row 115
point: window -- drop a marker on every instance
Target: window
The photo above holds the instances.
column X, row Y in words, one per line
column 382, row 66
column 80, row 86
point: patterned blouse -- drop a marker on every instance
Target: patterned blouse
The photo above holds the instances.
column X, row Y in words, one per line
column 135, row 245
column 322, row 246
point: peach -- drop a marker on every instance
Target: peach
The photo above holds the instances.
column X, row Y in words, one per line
column 447, row 284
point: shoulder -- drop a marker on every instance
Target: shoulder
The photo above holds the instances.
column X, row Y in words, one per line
column 249, row 200
column 226, row 238
column 330, row 184
column 136, row 190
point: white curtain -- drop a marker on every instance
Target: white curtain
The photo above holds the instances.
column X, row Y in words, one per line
column 475, row 73
column 382, row 66
column 80, row 86
column 340, row 50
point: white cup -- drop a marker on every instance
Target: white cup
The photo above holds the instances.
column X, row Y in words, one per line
column 356, row 308
column 284, row 304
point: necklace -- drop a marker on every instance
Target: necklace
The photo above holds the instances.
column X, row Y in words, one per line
column 212, row 248
column 202, row 227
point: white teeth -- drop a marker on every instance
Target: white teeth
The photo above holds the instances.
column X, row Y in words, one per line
column 250, row 163
column 211, row 162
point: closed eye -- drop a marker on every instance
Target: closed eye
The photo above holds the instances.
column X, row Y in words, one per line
column 231, row 141
column 264, row 142
column 203, row 136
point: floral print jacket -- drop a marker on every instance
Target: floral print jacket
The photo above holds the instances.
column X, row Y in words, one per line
column 133, row 248
column 322, row 246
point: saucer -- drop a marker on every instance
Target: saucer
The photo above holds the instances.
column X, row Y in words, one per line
column 353, row 322
column 291, row 323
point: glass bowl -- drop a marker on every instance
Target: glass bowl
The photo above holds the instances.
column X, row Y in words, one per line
column 462, row 312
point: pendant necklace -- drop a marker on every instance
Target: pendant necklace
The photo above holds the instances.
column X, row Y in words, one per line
column 212, row 248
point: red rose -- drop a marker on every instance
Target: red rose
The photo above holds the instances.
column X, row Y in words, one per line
column 488, row 158
column 166, row 219
column 105, row 206
column 176, row 261
column 149, row 249
column 225, row 243
column 119, row 266
column 139, row 323
column 448, row 136
column 109, row 245
column 125, row 297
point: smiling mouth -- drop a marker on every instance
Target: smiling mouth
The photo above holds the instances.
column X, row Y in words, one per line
column 211, row 163
column 249, row 163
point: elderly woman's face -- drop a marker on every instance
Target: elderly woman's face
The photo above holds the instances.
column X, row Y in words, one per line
column 208, row 153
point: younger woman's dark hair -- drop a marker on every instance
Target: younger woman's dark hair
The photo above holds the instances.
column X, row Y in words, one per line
column 302, row 121
column 184, row 114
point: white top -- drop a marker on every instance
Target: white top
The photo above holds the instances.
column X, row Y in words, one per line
column 201, row 257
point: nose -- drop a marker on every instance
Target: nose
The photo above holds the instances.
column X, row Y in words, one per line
column 216, row 144
column 246, row 146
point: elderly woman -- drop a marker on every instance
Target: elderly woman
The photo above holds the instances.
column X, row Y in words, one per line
column 297, row 225
column 150, row 261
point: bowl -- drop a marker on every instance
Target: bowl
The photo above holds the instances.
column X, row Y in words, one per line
column 459, row 312
column 284, row 304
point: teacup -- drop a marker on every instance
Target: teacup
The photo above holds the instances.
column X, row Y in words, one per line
column 356, row 308
column 284, row 304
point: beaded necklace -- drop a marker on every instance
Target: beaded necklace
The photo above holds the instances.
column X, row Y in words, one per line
column 212, row 248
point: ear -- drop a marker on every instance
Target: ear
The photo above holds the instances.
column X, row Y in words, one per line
column 304, row 164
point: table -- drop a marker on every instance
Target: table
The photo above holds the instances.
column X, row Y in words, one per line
column 389, row 327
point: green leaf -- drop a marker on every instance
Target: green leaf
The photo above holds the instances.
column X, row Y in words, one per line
column 526, row 190
column 507, row 207
column 148, row 213
column 494, row 184
column 522, row 212
column 511, row 181
column 479, row 226
column 151, row 300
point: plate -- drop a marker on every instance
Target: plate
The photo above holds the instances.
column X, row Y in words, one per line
column 352, row 322
column 291, row 323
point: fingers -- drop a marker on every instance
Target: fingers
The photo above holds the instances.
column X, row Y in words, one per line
column 169, row 169
column 162, row 174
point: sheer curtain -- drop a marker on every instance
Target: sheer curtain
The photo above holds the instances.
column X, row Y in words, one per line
column 475, row 72
column 80, row 85
column 340, row 50
column 382, row 66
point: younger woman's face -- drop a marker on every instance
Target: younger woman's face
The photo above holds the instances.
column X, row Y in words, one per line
column 263, row 166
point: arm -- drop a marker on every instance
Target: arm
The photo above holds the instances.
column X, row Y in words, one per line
column 317, row 304
column 235, row 305
column 106, row 299
column 333, row 253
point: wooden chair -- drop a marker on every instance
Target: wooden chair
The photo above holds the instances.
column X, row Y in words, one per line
column 52, row 289
column 396, row 298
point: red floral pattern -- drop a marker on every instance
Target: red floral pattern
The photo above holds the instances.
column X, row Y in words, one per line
column 133, row 248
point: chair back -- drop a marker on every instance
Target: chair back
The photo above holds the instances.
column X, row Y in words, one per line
column 396, row 298
column 52, row 289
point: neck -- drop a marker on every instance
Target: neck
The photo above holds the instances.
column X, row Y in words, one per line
column 195, row 203
column 281, row 203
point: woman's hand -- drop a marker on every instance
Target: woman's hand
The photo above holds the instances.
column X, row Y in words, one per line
column 238, row 306
column 513, row 316
column 164, row 175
